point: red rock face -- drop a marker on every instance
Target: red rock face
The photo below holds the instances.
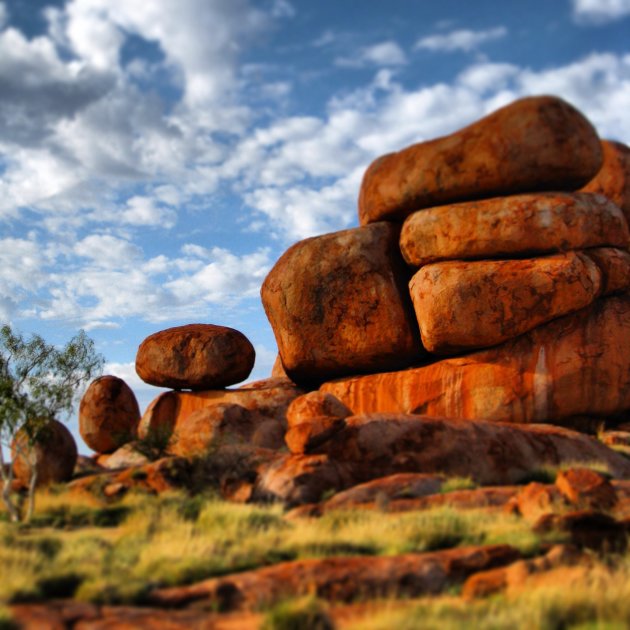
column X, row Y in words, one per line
column 538, row 143
column 197, row 356
column 316, row 404
column 338, row 304
column 54, row 455
column 576, row 365
column 108, row 414
column 209, row 429
column 613, row 179
column 509, row 227
column 465, row 305
column 171, row 409
column 340, row 579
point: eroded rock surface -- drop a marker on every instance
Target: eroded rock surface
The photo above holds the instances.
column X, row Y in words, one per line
column 467, row 305
column 196, row 356
column 108, row 414
column 578, row 365
column 537, row 143
column 338, row 304
column 510, row 227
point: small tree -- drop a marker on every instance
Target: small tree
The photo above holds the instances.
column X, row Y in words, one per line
column 38, row 383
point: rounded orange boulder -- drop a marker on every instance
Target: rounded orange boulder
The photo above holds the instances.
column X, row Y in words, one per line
column 54, row 454
column 108, row 414
column 196, row 356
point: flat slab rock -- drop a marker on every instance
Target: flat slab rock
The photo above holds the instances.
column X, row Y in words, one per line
column 578, row 365
column 516, row 226
column 196, row 356
column 339, row 304
column 536, row 143
column 340, row 579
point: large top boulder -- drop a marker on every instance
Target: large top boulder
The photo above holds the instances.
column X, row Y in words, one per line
column 339, row 304
column 533, row 144
column 53, row 453
column 196, row 356
column 108, row 414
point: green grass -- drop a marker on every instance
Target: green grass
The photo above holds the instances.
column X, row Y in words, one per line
column 79, row 548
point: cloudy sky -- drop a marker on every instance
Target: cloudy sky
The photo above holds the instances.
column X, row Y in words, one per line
column 157, row 157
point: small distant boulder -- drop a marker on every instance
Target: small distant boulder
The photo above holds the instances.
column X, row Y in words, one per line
column 108, row 414
column 196, row 356
column 54, row 455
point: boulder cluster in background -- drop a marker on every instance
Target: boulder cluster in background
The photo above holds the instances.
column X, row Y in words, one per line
column 486, row 288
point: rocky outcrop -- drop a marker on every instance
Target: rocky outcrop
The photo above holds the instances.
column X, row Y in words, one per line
column 340, row 579
column 512, row 227
column 574, row 366
column 537, row 143
column 490, row 453
column 108, row 414
column 613, row 178
column 338, row 304
column 53, row 453
column 196, row 356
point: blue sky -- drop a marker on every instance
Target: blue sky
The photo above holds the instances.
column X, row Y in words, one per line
column 157, row 157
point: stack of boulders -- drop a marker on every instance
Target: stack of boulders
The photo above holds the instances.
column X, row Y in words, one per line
column 488, row 281
column 198, row 362
column 478, row 246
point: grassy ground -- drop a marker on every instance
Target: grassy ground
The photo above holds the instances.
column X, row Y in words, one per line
column 78, row 547
column 115, row 554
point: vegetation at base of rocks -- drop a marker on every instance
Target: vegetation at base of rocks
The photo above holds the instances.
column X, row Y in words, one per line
column 600, row 601
column 307, row 613
column 71, row 549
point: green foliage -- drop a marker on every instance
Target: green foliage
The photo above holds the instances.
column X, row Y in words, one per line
column 458, row 483
column 38, row 383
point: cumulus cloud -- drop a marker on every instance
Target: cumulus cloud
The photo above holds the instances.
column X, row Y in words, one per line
column 387, row 53
column 600, row 11
column 463, row 40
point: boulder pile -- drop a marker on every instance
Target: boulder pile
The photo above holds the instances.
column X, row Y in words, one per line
column 486, row 285
column 481, row 247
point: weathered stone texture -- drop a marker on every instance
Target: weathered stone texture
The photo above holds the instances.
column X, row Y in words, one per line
column 54, row 455
column 338, row 304
column 464, row 305
column 613, row 179
column 509, row 227
column 108, row 414
column 537, row 143
column 196, row 356
column 578, row 365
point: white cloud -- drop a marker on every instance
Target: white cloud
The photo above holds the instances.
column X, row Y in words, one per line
column 143, row 211
column 600, row 11
column 4, row 14
column 387, row 53
column 464, row 40
column 283, row 9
